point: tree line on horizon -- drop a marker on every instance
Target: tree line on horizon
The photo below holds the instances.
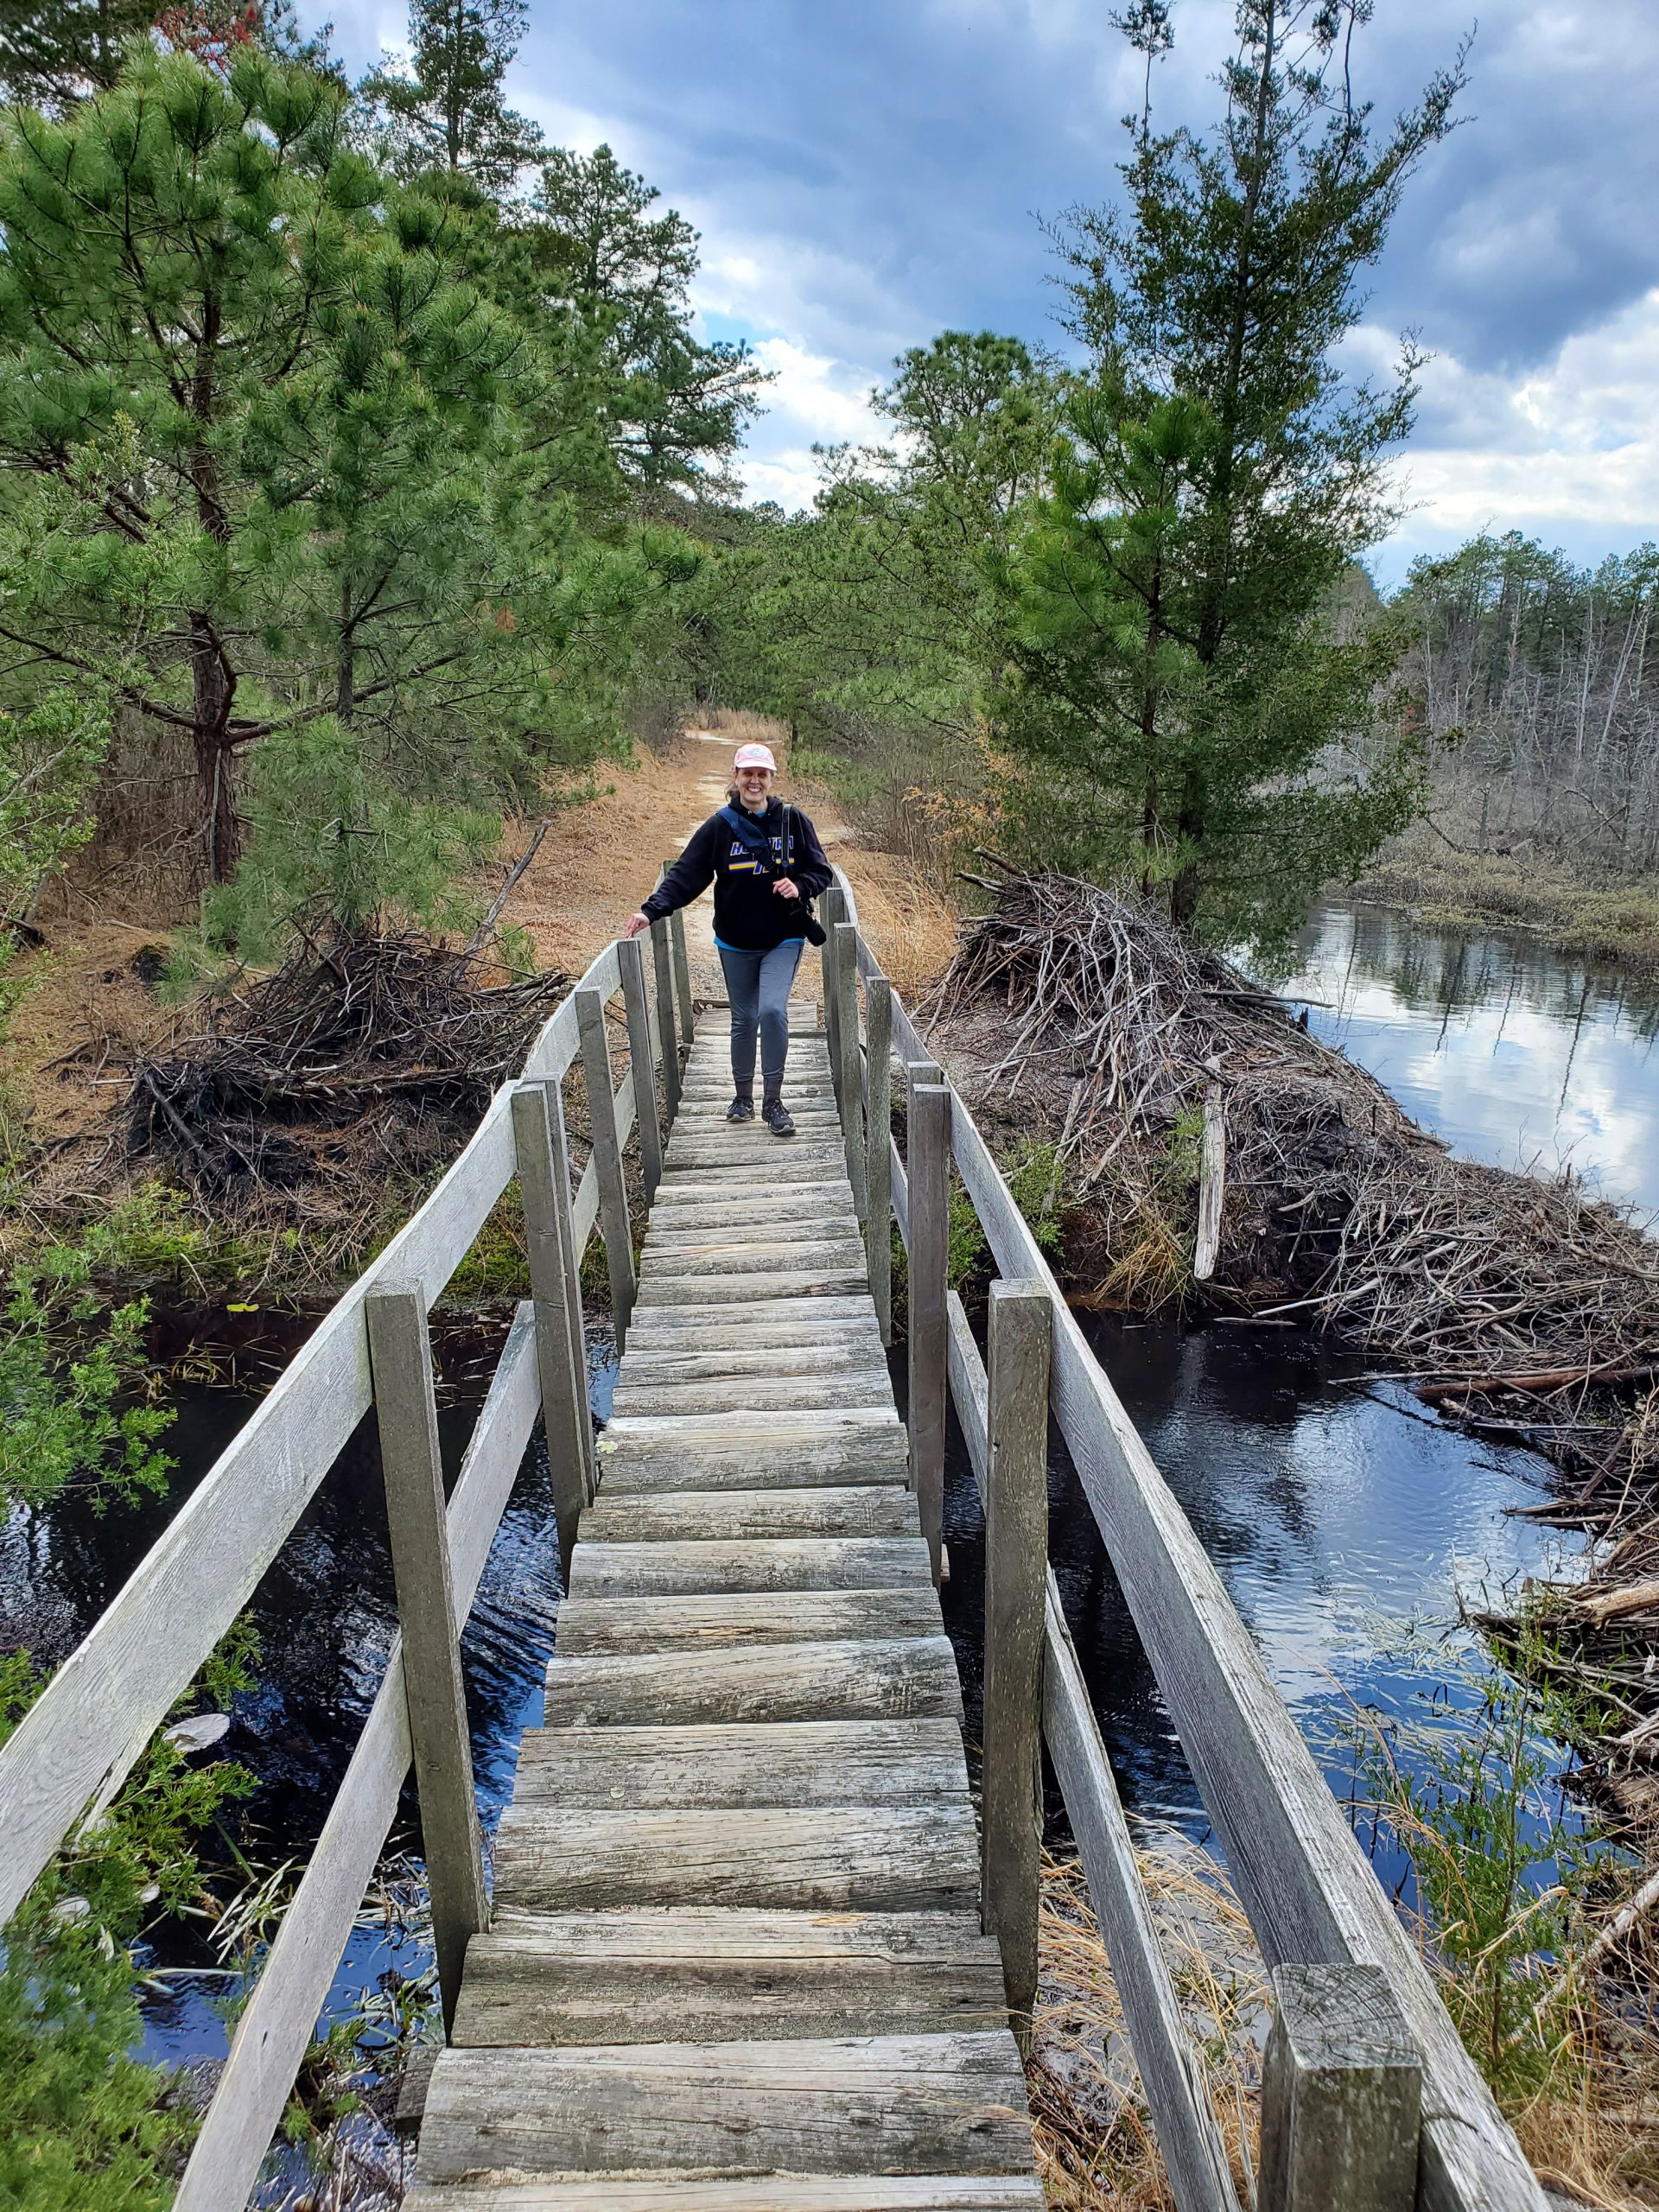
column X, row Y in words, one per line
column 363, row 478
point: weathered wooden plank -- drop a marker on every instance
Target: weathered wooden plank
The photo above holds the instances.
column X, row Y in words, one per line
column 411, row 1460
column 791, row 1763
column 969, row 1386
column 929, row 1170
column 851, row 1085
column 709, row 1189
column 824, row 1355
column 1341, row 2091
column 1171, row 2072
column 665, row 1259
column 544, row 1186
column 728, row 1333
column 720, row 1290
column 786, row 1563
column 272, row 2034
column 841, row 1309
column 708, row 1975
column 1213, row 1180
column 818, row 1859
column 631, row 962
column 715, row 1452
column 733, row 1515
column 1016, row 1574
column 858, row 1678
column 737, row 1233
column 1303, row 1879
column 934, row 2104
column 681, row 971
column 790, row 1393
column 878, row 1147
column 606, row 1160
column 775, row 2193
column 628, row 1626
column 668, row 1043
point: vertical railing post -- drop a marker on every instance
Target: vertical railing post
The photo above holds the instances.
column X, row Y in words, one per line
column 832, row 909
column 1016, row 1585
column 878, row 1148
column 556, row 1285
column 929, row 1170
column 400, row 1360
column 631, row 962
column 668, row 1042
column 613, row 1221
column 1341, row 2095
column 682, row 969
column 851, row 1085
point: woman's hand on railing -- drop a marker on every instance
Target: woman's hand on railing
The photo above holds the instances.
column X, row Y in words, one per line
column 634, row 924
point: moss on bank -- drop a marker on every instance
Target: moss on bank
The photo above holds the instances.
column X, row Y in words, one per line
column 1441, row 886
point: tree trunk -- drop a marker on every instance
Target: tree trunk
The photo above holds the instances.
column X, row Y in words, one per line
column 213, row 689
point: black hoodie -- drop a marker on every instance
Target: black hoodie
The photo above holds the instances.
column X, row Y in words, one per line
column 749, row 914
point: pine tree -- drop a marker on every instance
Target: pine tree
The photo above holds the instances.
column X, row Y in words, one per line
column 442, row 105
column 1179, row 677
column 57, row 51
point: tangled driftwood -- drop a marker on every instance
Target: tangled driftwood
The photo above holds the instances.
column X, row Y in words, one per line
column 1088, row 1017
column 342, row 1047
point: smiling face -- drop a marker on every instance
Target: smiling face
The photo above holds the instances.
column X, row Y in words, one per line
column 753, row 785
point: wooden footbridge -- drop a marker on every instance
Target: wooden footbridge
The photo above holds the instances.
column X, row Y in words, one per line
column 749, row 1944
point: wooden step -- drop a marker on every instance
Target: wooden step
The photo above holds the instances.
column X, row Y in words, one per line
column 787, row 1393
column 706, row 1975
column 734, row 1515
column 708, row 1289
column 696, row 1212
column 663, row 1262
column 784, row 1763
column 633, row 1625
column 845, row 1353
column 877, row 2104
column 821, row 1859
column 868, row 1678
column 651, row 1452
column 774, row 2193
column 732, row 1230
column 725, row 1187
column 844, row 1311
column 789, row 1563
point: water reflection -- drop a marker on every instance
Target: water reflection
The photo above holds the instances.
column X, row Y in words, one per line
column 1518, row 1056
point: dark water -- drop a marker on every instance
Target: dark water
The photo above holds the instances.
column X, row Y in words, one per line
column 1518, row 1056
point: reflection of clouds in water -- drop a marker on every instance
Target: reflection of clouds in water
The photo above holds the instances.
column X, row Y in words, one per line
column 1513, row 1053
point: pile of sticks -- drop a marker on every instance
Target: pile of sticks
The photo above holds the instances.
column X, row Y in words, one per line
column 367, row 1036
column 1088, row 1018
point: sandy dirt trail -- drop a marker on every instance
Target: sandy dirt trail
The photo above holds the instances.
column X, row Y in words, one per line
column 597, row 862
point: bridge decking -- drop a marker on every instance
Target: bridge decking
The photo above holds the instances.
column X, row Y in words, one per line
column 735, row 1958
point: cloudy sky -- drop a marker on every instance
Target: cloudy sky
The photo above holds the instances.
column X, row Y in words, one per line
column 867, row 172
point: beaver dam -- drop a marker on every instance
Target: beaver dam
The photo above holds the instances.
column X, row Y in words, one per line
column 1179, row 1098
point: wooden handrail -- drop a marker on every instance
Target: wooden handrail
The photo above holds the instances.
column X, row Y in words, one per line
column 1306, row 1884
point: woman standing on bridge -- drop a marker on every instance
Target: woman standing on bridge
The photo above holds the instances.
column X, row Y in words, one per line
column 764, row 859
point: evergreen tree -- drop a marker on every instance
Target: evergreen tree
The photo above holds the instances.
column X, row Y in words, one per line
column 1178, row 679
column 676, row 407
column 57, row 51
column 442, row 105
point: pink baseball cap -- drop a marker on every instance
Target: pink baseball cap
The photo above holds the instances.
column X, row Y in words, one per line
column 754, row 756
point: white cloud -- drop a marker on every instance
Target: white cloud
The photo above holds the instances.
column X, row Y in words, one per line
column 1575, row 444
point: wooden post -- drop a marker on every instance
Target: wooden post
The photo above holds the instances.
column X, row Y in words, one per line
column 667, row 1041
column 1016, row 1585
column 631, row 962
column 1341, row 2095
column 400, row 1361
column 682, row 969
column 1212, row 1180
column 607, row 1160
column 561, row 1345
column 852, row 1085
column 878, row 1148
column 929, row 1169
column 832, row 908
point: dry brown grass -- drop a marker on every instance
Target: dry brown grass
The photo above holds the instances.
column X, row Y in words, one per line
column 1617, row 921
column 1094, row 2139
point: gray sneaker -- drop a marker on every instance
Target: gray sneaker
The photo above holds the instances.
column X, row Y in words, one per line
column 740, row 1110
column 776, row 1116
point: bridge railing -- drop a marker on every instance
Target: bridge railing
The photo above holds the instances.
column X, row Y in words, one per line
column 63, row 1764
column 1357, row 2017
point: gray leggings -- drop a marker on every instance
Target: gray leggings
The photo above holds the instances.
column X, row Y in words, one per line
column 758, row 984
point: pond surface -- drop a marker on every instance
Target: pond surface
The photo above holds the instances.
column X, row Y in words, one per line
column 1518, row 1056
